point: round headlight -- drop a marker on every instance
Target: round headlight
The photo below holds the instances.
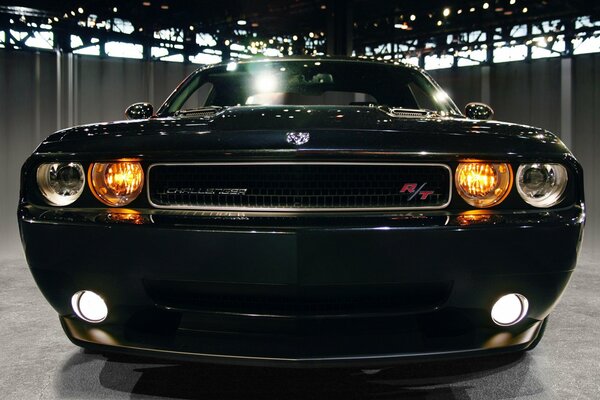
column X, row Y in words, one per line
column 542, row 185
column 61, row 183
column 483, row 184
column 117, row 184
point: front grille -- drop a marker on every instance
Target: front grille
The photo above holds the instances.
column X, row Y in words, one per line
column 299, row 186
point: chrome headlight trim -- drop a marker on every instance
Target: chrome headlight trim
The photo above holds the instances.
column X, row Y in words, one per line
column 61, row 183
column 542, row 185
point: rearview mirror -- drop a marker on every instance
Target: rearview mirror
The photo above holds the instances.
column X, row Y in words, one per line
column 139, row 111
column 478, row 111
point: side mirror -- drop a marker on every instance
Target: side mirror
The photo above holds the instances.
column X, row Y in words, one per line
column 139, row 111
column 478, row 111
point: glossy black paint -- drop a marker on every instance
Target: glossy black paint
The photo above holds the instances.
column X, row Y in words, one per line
column 262, row 129
column 124, row 254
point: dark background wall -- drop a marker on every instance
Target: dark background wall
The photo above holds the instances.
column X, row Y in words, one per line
column 40, row 93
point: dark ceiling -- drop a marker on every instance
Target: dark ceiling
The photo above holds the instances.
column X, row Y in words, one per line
column 373, row 20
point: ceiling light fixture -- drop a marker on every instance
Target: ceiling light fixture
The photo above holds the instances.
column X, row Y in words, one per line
column 403, row 26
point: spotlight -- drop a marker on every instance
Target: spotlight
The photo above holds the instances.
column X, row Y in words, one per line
column 266, row 82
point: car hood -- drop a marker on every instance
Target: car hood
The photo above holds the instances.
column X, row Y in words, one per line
column 367, row 130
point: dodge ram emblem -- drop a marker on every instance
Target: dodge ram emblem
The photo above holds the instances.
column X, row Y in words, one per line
column 297, row 138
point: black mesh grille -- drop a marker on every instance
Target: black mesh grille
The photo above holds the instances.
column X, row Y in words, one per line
column 299, row 186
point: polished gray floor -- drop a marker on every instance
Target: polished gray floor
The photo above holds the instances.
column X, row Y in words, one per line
column 37, row 361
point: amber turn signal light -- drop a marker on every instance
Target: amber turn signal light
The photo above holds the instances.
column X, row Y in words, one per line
column 118, row 183
column 483, row 184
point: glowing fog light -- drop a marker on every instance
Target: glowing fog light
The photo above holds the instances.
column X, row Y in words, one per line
column 509, row 309
column 89, row 306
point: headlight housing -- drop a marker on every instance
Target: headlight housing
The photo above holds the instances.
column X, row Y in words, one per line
column 117, row 184
column 542, row 185
column 483, row 184
column 61, row 183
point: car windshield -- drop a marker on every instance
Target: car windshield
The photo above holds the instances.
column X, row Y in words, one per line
column 309, row 82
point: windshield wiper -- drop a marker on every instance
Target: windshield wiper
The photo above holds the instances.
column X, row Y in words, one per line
column 205, row 111
column 409, row 112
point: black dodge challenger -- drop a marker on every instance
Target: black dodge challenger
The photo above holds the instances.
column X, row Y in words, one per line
column 303, row 212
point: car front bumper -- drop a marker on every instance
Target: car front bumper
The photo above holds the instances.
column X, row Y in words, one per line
column 298, row 292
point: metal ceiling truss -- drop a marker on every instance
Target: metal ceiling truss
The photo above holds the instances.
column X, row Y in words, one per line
column 62, row 31
column 460, row 45
column 476, row 46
